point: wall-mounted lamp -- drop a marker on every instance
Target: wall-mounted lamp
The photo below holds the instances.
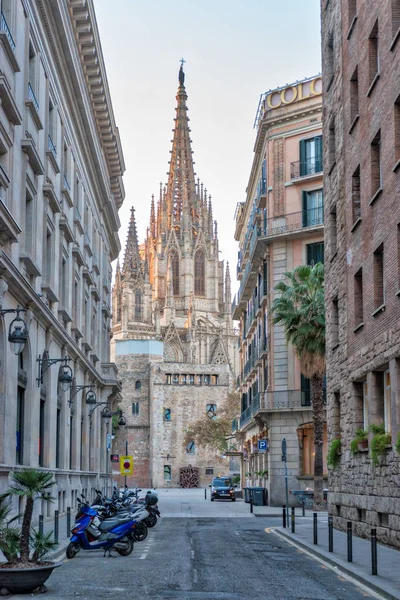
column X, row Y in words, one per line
column 90, row 395
column 64, row 375
column 18, row 332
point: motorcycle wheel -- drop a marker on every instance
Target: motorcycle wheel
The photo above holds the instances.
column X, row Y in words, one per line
column 151, row 520
column 126, row 551
column 140, row 532
column 72, row 550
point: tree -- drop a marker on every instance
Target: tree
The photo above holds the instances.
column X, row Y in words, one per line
column 300, row 309
column 215, row 432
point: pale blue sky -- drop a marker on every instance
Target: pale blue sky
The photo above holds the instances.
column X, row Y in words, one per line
column 234, row 51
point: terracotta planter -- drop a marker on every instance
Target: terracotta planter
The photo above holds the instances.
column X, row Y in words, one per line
column 363, row 445
column 22, row 581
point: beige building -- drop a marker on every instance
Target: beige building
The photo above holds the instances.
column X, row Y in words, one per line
column 279, row 226
column 173, row 338
column 61, row 165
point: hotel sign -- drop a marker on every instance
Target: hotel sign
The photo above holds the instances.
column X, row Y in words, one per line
column 293, row 93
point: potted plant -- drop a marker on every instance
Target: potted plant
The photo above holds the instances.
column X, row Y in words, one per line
column 24, row 548
column 360, row 441
column 380, row 440
column 398, row 443
column 264, row 473
column 334, row 453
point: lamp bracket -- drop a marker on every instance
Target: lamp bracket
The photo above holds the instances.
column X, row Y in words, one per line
column 75, row 389
column 45, row 362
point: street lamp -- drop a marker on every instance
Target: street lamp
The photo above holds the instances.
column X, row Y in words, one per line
column 18, row 331
column 90, row 395
column 64, row 374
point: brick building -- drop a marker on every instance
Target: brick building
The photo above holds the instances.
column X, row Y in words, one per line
column 279, row 226
column 361, row 61
column 173, row 338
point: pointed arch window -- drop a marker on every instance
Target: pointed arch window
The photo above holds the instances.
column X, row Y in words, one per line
column 199, row 273
column 175, row 273
column 138, row 305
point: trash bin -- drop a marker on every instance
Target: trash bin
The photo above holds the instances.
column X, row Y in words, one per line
column 259, row 496
column 247, row 494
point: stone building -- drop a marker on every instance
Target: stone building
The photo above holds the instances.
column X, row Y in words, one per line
column 279, row 226
column 173, row 338
column 61, row 165
column 361, row 60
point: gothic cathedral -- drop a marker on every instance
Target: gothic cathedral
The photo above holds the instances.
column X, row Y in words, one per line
column 173, row 337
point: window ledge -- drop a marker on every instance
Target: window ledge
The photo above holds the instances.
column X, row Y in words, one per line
column 354, row 123
column 332, row 167
column 373, row 84
column 379, row 310
column 351, row 26
column 356, row 224
column 394, row 40
column 375, row 196
column 359, row 326
column 396, row 166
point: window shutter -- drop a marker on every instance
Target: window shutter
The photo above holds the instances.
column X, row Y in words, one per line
column 304, row 196
column 303, row 165
column 318, row 154
column 305, row 391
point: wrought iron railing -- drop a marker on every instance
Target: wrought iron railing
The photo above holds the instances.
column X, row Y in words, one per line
column 51, row 146
column 291, row 222
column 31, row 96
column 234, row 425
column 245, row 416
column 4, row 27
column 78, row 216
column 285, row 399
column 303, row 168
column 66, row 184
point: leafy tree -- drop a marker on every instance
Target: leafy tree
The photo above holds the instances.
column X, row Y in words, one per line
column 215, row 432
column 300, row 309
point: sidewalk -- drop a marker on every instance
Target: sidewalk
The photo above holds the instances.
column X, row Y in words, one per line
column 387, row 582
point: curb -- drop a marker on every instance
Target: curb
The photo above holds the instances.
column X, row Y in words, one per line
column 335, row 563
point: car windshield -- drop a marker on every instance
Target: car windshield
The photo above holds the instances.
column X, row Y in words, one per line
column 221, row 482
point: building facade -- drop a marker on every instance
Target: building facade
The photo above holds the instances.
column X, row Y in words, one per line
column 361, row 59
column 173, row 338
column 61, row 167
column 279, row 226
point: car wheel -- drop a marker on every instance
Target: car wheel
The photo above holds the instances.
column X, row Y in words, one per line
column 212, row 499
column 233, row 499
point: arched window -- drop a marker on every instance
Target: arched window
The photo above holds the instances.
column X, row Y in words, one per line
column 175, row 273
column 199, row 274
column 138, row 385
column 138, row 305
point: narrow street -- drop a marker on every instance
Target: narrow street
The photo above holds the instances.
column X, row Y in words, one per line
column 214, row 557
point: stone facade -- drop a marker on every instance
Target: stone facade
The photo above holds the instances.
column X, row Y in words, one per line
column 173, row 295
column 279, row 226
column 362, row 277
column 61, row 169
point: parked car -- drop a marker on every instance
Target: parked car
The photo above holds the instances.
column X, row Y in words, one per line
column 222, row 488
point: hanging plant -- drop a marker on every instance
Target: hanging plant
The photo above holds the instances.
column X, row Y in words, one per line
column 398, row 443
column 361, row 438
column 334, row 453
column 379, row 441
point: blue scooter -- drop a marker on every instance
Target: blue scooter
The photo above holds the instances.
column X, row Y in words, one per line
column 89, row 533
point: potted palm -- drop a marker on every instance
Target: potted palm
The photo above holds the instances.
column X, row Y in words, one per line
column 24, row 548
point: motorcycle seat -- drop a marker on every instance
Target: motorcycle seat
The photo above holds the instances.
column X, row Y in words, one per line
column 109, row 524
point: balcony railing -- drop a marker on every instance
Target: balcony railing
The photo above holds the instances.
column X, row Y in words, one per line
column 304, row 168
column 51, row 146
column 291, row 222
column 285, row 399
column 234, row 425
column 66, row 184
column 245, row 416
column 4, row 27
column 31, row 96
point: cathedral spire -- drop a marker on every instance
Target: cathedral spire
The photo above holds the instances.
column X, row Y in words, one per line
column 132, row 265
column 152, row 218
column 181, row 181
column 228, row 295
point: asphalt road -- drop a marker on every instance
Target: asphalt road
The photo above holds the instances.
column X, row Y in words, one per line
column 205, row 559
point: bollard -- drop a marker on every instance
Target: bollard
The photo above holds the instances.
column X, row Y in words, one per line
column 41, row 524
column 330, row 533
column 251, row 504
column 349, row 542
column 374, row 553
column 303, row 505
column 284, row 515
column 293, row 525
column 56, row 525
column 205, row 493
column 315, row 516
column 68, row 521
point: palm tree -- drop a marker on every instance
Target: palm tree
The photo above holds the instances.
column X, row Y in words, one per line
column 29, row 484
column 300, row 309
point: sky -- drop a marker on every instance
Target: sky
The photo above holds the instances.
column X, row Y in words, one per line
column 234, row 51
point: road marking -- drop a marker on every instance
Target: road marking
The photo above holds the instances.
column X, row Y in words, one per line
column 195, row 576
column 192, row 554
column 269, row 529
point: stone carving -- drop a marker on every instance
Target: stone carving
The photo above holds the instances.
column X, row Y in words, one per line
column 219, row 354
column 189, row 477
column 3, row 289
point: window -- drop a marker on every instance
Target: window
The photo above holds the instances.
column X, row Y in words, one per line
column 388, row 403
column 379, row 289
column 209, row 471
column 311, row 156
column 29, row 224
column 376, row 165
column 20, row 426
column 373, row 56
column 32, row 90
column 354, row 101
column 174, row 258
column 356, row 195
column 358, row 298
column 175, row 379
column 168, row 379
column 135, row 408
column 81, row 449
column 199, row 379
column 395, row 17
column 333, row 230
column 329, row 66
column 396, row 127
column 167, row 472
column 313, row 208
column 138, row 305
column 191, row 379
column 214, row 379
column 183, row 379
column 41, row 432
column 305, row 391
column 211, row 411
column 206, row 380
column 335, row 322
column 191, row 447
column 332, row 145
column 308, row 449
column 58, row 439
column 52, row 128
column 315, row 253
column 199, row 273
column 167, row 414
column 71, row 440
column 138, row 385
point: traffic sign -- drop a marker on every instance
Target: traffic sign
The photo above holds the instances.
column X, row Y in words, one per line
column 262, row 445
column 126, row 465
column 108, row 442
column 114, row 458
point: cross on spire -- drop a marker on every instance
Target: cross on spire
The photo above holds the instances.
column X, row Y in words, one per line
column 182, row 62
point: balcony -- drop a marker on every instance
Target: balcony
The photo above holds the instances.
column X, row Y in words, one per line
column 285, row 399
column 8, row 42
column 66, row 191
column 4, row 27
column 52, row 154
column 234, row 425
column 33, row 106
column 306, row 168
column 78, row 220
column 9, row 228
column 245, row 417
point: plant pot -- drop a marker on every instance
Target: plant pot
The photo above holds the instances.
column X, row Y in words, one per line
column 363, row 445
column 22, row 581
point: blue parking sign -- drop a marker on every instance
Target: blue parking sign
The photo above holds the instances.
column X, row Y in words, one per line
column 262, row 445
